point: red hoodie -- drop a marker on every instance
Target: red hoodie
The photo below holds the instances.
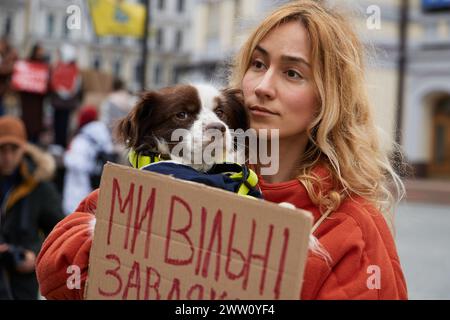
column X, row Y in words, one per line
column 364, row 261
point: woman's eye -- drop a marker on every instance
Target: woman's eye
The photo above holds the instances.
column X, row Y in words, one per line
column 182, row 115
column 294, row 74
column 258, row 64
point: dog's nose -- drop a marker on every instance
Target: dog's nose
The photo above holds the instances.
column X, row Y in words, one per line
column 217, row 126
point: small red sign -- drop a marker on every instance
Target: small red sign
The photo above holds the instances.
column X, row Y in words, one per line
column 30, row 77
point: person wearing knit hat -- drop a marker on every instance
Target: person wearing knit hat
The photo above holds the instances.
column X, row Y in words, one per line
column 29, row 207
column 66, row 92
column 13, row 136
column 87, row 114
column 12, row 130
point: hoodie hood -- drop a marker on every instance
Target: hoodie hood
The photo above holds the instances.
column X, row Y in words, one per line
column 43, row 165
column 36, row 167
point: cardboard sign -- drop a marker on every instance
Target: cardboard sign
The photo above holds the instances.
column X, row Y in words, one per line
column 30, row 77
column 158, row 237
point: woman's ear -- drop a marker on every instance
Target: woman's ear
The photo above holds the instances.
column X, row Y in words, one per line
column 129, row 130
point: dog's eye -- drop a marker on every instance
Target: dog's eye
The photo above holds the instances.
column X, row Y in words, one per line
column 219, row 112
column 182, row 115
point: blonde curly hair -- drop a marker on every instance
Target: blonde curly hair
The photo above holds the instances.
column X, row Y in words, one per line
column 343, row 136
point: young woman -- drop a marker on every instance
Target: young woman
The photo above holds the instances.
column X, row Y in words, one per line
column 301, row 72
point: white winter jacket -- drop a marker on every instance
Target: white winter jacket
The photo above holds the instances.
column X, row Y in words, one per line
column 79, row 161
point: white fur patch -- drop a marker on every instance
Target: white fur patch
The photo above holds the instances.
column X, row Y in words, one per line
column 199, row 140
column 207, row 94
column 91, row 226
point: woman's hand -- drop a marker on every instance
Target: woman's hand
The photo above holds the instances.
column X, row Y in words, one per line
column 4, row 247
column 28, row 264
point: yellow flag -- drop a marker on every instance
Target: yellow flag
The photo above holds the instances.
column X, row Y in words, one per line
column 117, row 18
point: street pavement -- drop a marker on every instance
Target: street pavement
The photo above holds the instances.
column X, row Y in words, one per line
column 423, row 243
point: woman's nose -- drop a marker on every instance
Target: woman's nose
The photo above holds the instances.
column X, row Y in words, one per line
column 266, row 87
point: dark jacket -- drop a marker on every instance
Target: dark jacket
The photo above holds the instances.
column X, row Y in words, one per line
column 225, row 176
column 29, row 211
column 7, row 60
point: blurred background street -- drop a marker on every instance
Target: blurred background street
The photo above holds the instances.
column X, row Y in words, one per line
column 423, row 238
column 60, row 57
column 422, row 243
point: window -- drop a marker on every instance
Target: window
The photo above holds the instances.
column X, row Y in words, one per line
column 159, row 39
column 66, row 30
column 8, row 25
column 50, row 24
column 431, row 29
column 213, row 20
column 157, row 74
column 161, row 4
column 178, row 40
column 237, row 8
column 180, row 5
column 448, row 27
column 137, row 72
column 97, row 63
column 117, row 68
column 440, row 144
column 176, row 73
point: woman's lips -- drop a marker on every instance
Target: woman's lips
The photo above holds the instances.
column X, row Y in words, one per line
column 261, row 111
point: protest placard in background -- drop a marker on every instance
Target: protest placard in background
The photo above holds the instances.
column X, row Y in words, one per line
column 157, row 237
column 30, row 77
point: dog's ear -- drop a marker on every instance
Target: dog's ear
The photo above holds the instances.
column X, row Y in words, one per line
column 234, row 99
column 130, row 130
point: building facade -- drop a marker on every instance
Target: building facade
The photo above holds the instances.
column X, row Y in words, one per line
column 194, row 40
column 426, row 121
column 219, row 28
column 425, row 115
column 29, row 21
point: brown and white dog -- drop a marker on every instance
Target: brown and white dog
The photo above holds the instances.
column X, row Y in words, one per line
column 198, row 110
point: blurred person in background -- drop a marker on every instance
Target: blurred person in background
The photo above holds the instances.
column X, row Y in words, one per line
column 116, row 106
column 8, row 56
column 29, row 206
column 65, row 97
column 91, row 139
column 33, row 103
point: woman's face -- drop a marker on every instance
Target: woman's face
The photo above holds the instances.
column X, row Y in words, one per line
column 278, row 86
